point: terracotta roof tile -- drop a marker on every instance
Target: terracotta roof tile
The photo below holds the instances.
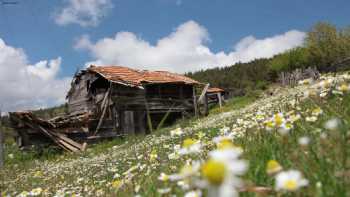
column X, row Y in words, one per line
column 124, row 75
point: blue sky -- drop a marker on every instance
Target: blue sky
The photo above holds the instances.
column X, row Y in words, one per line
column 30, row 25
column 218, row 26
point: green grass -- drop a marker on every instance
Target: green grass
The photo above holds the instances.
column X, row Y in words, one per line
column 233, row 103
column 323, row 162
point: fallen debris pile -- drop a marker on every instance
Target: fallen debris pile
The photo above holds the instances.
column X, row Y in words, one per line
column 33, row 130
column 71, row 121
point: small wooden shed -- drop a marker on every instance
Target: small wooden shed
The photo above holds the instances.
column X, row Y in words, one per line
column 216, row 95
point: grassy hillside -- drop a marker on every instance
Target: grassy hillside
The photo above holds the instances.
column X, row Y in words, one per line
column 247, row 148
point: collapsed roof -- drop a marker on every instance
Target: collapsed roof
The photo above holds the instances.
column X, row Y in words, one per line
column 137, row 78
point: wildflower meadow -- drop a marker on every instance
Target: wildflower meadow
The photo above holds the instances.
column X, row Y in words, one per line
column 292, row 143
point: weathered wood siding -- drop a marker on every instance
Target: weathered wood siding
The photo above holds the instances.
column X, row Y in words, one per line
column 127, row 98
column 79, row 99
column 173, row 97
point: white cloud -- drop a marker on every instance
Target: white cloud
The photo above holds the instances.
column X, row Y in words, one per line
column 83, row 12
column 44, row 69
column 25, row 86
column 183, row 50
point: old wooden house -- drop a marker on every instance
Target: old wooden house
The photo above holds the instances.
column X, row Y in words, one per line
column 110, row 101
column 126, row 100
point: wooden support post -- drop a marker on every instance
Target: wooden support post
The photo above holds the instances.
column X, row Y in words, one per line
column 195, row 105
column 1, row 143
column 206, row 108
column 219, row 98
column 148, row 116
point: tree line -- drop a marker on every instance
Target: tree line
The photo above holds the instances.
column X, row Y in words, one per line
column 325, row 48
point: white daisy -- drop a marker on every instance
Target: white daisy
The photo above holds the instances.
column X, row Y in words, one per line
column 285, row 128
column 186, row 171
column 194, row 193
column 164, row 190
column 176, row 132
column 36, row 191
column 163, row 177
column 190, row 146
column 311, row 119
column 290, row 180
column 304, row 141
column 332, row 124
column 222, row 172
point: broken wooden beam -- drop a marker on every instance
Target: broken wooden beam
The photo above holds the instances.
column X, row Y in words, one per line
column 204, row 91
column 41, row 126
column 104, row 106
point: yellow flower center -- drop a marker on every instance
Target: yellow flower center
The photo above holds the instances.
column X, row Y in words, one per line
column 188, row 142
column 164, row 177
column 225, row 143
column 289, row 126
column 259, row 116
column 153, row 155
column 290, row 185
column 214, row 171
column 116, row 184
column 38, row 174
column 317, row 111
column 269, row 124
column 278, row 120
column 273, row 166
column 343, row 88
